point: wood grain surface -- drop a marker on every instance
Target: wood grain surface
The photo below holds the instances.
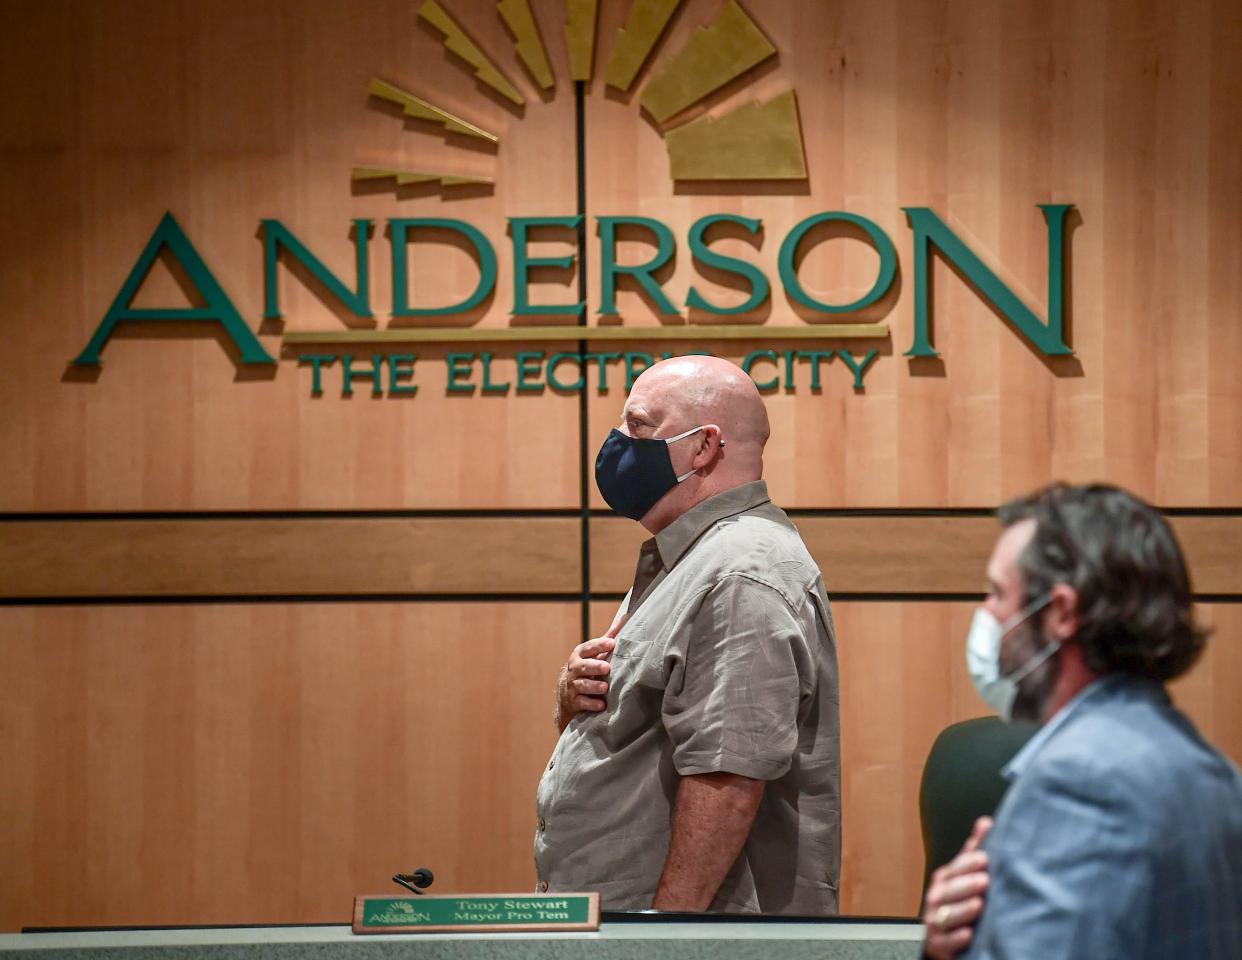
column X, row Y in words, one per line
column 981, row 111
column 232, row 113
column 903, row 680
column 363, row 556
column 288, row 557
column 919, row 555
column 227, row 114
column 264, row 762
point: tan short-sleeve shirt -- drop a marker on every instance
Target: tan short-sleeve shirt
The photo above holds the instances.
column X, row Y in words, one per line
column 726, row 664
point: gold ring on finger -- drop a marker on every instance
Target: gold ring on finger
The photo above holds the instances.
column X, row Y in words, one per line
column 942, row 918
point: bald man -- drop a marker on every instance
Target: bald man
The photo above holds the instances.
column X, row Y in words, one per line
column 698, row 766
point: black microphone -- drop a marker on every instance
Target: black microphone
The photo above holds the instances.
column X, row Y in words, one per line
column 422, row 877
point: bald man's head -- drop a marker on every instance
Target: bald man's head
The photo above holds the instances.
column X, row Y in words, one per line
column 682, row 393
column 691, row 391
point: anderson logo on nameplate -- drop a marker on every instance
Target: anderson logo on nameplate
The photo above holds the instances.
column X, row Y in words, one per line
column 477, row 912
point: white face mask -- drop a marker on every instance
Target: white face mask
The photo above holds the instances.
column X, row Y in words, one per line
column 983, row 645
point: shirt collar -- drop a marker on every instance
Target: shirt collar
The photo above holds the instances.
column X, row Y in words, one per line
column 1026, row 756
column 679, row 536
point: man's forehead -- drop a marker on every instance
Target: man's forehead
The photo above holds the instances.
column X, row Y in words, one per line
column 647, row 397
column 1003, row 565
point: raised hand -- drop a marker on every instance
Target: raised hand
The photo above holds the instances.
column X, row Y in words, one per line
column 583, row 683
column 955, row 897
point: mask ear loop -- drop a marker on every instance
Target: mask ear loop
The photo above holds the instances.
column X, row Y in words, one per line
column 1039, row 658
column 1033, row 664
column 1026, row 612
column 682, row 436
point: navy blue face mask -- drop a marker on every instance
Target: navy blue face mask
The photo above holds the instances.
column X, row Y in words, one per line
column 634, row 473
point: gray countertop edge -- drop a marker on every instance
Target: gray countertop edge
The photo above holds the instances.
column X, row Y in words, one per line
column 719, row 940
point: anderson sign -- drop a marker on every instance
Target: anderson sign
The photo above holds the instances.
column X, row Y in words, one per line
column 395, row 373
column 751, row 143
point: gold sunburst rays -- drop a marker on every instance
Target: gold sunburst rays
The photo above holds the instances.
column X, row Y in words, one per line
column 754, row 141
column 458, row 42
column 635, row 40
column 521, row 22
column 413, row 106
column 407, row 177
column 715, row 54
column 580, row 37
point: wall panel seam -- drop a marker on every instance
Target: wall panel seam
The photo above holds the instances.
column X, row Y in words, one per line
column 518, row 513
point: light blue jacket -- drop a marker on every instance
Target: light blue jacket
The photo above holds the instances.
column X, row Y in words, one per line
column 1120, row 837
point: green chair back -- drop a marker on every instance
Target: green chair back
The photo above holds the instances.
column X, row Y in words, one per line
column 962, row 781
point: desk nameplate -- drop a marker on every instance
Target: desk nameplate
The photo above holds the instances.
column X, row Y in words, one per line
column 482, row 912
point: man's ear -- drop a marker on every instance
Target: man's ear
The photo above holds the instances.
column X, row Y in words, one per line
column 709, row 450
column 1062, row 616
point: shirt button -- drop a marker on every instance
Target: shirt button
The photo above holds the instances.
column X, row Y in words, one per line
column 542, row 825
column 543, row 886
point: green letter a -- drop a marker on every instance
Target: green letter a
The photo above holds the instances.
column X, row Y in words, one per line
column 218, row 309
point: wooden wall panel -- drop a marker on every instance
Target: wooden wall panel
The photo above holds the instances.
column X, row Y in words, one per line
column 232, row 763
column 903, row 680
column 919, row 555
column 230, row 114
column 287, row 557
column 264, row 763
column 1224, row 239
column 982, row 112
column 225, row 114
column 494, row 555
column 1209, row 692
